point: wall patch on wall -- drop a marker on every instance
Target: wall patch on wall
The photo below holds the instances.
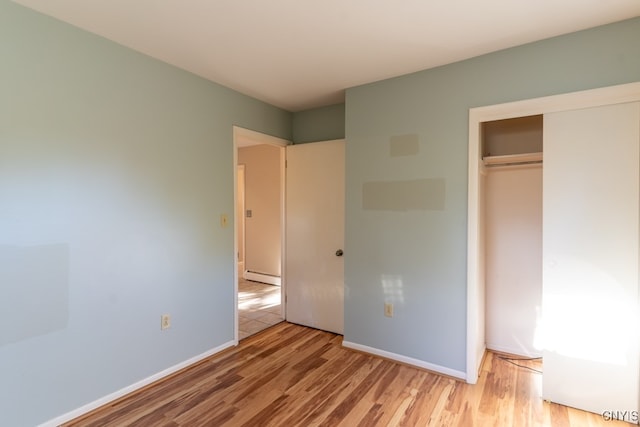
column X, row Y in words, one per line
column 412, row 195
column 404, row 145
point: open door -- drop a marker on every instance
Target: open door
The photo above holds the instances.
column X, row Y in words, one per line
column 315, row 235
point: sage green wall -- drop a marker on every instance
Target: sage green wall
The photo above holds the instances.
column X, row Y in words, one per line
column 319, row 124
column 114, row 170
column 417, row 258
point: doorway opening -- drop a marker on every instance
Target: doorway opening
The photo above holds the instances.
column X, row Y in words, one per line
column 259, row 231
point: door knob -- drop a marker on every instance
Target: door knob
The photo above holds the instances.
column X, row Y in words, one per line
column 339, row 252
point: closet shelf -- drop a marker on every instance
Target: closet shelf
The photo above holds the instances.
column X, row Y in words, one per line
column 513, row 159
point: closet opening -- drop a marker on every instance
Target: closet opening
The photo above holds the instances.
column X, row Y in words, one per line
column 590, row 217
column 511, row 206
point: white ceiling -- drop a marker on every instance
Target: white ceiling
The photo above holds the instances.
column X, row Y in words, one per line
column 301, row 54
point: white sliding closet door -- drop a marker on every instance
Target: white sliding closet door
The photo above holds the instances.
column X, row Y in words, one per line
column 590, row 258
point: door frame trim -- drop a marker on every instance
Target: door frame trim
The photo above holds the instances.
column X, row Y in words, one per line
column 242, row 224
column 243, row 137
column 475, row 279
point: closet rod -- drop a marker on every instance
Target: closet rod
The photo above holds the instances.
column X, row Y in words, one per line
column 513, row 159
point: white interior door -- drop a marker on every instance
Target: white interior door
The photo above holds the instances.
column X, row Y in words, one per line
column 315, row 235
column 590, row 258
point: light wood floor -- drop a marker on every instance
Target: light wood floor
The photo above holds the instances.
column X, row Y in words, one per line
column 289, row 375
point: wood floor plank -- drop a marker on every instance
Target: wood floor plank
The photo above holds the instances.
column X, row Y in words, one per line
column 559, row 416
column 420, row 410
column 349, row 402
column 398, row 384
column 320, row 399
column 289, row 375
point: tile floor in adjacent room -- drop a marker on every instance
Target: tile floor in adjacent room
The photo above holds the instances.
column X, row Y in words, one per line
column 258, row 307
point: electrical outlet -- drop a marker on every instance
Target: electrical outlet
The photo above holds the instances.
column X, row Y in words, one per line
column 388, row 309
column 165, row 322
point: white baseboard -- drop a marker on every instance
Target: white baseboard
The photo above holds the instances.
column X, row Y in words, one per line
column 404, row 359
column 133, row 387
column 513, row 350
column 264, row 278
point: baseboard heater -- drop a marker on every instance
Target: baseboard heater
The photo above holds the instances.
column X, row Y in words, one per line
column 262, row 277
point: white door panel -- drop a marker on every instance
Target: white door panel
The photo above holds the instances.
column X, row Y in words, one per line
column 315, row 231
column 590, row 257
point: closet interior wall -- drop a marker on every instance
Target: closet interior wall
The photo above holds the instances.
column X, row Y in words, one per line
column 513, row 228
